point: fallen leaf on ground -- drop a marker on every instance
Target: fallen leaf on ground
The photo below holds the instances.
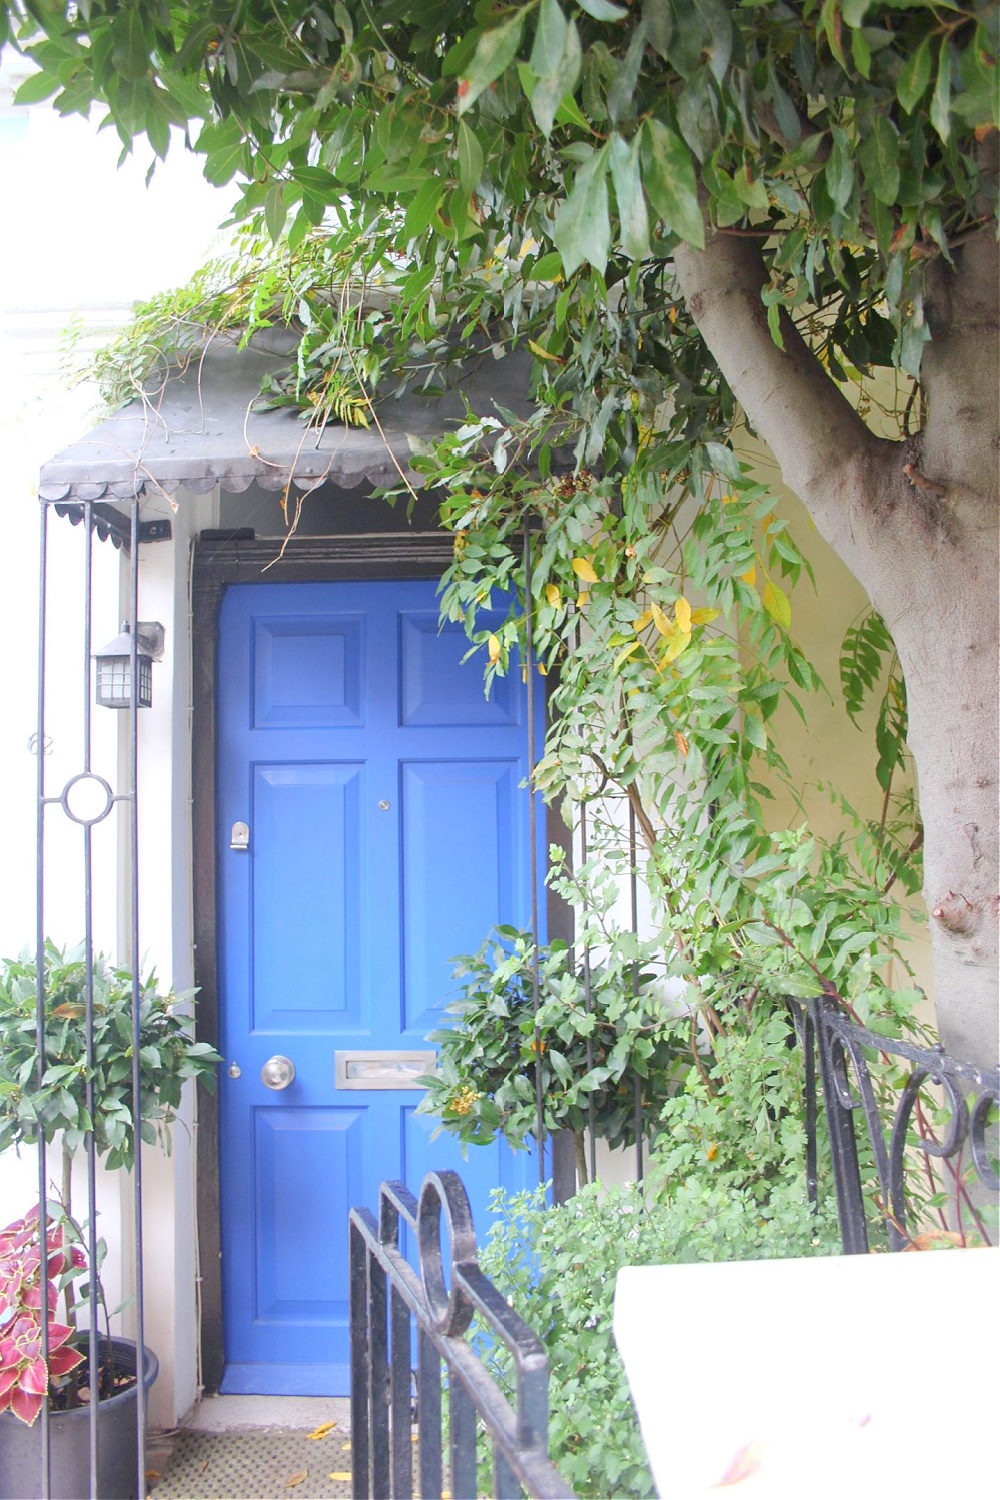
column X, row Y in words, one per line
column 340, row 1474
column 296, row 1478
column 153, row 1474
column 322, row 1430
column 347, row 1447
column 205, row 1465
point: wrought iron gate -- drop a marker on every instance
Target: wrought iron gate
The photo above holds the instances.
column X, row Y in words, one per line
column 86, row 799
column 387, row 1298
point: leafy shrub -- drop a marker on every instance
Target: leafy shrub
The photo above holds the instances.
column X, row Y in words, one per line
column 726, row 1181
column 168, row 1056
column 485, row 1077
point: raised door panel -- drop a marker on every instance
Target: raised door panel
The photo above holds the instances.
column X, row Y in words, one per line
column 300, row 1245
column 307, row 673
column 306, row 909
column 436, row 689
column 458, row 857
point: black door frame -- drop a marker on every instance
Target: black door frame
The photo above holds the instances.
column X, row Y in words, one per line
column 220, row 560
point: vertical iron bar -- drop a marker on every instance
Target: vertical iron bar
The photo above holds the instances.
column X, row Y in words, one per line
column 505, row 1482
column 429, row 1417
column 44, row 1433
column 360, row 1381
column 133, row 752
column 462, row 1425
column 809, row 1046
column 378, row 1392
column 843, row 1147
column 402, row 1448
column 588, row 1004
column 535, row 983
column 634, row 900
column 93, row 1347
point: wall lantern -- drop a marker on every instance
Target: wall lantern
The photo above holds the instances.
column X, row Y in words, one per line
column 114, row 666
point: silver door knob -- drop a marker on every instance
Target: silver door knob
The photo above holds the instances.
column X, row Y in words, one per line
column 277, row 1072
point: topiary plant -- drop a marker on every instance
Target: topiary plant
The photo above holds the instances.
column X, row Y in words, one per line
column 484, row 1083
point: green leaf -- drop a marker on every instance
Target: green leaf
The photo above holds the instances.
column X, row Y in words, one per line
column 582, row 229
column 774, row 324
column 274, row 210
column 421, row 210
column 879, row 159
column 225, row 151
column 915, row 77
column 668, row 176
column 941, row 98
column 631, row 201
column 131, row 44
column 470, row 158
column 839, row 172
column 495, row 51
column 550, row 40
column 550, row 91
column 36, row 88
column 602, row 10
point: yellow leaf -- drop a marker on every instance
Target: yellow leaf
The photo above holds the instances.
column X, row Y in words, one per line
column 681, row 742
column 553, row 594
column 341, row 1474
column 625, row 653
column 704, row 616
column 644, row 619
column 346, row 1447
column 768, row 521
column 543, row 669
column 660, row 620
column 296, row 1478
column 712, row 1151
column 679, row 642
column 321, row 1431
column 493, row 646
column 777, row 605
column 750, row 576
column 584, row 570
column 582, row 599
column 544, row 353
column 682, row 614
column 672, row 314
column 529, row 244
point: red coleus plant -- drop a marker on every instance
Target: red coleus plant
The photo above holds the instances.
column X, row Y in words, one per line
column 24, row 1375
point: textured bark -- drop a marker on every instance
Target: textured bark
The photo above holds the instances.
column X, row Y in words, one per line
column 917, row 524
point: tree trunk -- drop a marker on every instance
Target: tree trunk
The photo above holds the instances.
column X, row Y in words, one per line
column 917, row 524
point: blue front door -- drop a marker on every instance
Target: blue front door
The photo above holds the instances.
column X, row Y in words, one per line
column 385, row 829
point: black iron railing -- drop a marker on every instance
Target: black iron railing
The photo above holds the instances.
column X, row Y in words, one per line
column 841, row 1049
column 87, row 798
column 388, row 1299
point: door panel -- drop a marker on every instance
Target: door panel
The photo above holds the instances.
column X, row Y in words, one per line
column 307, row 839
column 388, row 832
column 458, row 826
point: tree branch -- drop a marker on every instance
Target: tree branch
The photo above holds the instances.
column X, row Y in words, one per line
column 812, row 429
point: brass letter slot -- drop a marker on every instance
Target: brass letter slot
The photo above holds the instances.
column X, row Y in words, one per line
column 382, row 1070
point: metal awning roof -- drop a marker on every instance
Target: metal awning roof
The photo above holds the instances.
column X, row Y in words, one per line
column 207, row 426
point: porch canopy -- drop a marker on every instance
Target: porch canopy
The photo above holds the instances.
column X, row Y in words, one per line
column 207, row 424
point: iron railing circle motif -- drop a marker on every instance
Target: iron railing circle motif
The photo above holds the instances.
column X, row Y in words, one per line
column 450, row 1310
column 88, row 779
column 979, row 1121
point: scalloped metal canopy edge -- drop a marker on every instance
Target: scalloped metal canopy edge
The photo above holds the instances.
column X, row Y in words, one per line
column 207, row 425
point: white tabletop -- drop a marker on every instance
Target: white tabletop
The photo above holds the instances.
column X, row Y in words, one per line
column 848, row 1376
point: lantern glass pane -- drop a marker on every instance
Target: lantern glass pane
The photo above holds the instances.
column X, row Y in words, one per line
column 114, row 681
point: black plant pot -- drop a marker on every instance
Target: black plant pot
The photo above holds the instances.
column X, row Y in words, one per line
column 69, row 1438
